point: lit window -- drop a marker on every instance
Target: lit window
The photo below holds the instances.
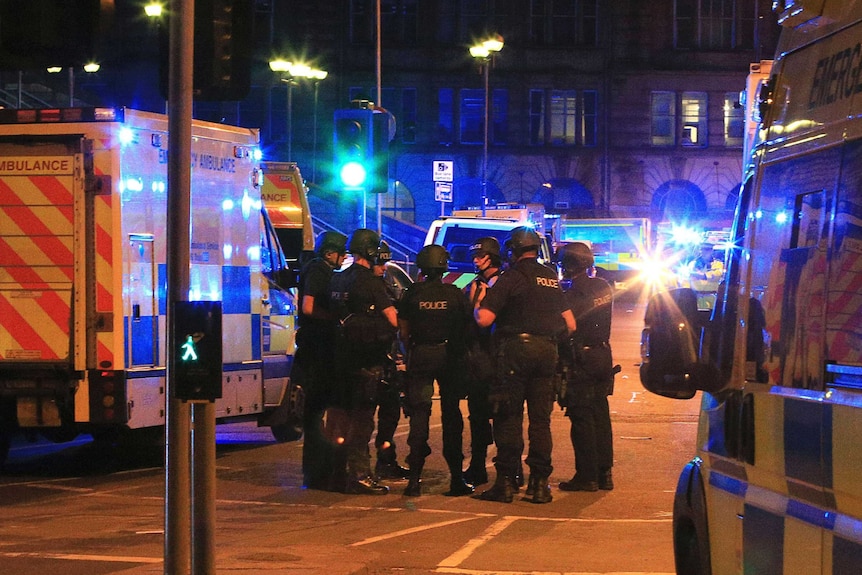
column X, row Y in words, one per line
column 694, row 131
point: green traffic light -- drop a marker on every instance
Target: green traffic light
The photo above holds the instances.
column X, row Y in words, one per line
column 353, row 174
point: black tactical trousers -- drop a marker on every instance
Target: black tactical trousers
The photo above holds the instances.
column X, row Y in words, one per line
column 427, row 363
column 388, row 416
column 310, row 372
column 591, row 433
column 526, row 366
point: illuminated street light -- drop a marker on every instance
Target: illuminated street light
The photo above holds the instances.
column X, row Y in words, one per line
column 153, row 10
column 291, row 72
column 485, row 53
column 90, row 68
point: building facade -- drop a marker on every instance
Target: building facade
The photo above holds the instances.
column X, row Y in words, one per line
column 596, row 107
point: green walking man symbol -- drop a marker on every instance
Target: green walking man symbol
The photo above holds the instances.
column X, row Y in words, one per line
column 188, row 348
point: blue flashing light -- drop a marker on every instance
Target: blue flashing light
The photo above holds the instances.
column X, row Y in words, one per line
column 781, row 217
column 126, row 136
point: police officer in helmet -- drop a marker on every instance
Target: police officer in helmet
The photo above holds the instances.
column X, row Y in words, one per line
column 527, row 309
column 312, row 362
column 586, row 401
column 433, row 319
column 388, row 400
column 487, row 262
column 367, row 325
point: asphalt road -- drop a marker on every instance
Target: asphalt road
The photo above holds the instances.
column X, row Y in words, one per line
column 83, row 509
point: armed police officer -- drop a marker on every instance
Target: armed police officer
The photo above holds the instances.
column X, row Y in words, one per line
column 388, row 397
column 527, row 309
column 485, row 253
column 591, row 370
column 433, row 319
column 315, row 340
column 368, row 321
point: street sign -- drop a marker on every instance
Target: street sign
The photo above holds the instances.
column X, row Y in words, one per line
column 444, row 171
column 442, row 192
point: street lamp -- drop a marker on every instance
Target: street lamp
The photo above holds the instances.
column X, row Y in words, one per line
column 290, row 73
column 90, row 68
column 484, row 52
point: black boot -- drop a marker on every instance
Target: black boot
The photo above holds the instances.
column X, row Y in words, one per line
column 414, row 483
column 387, row 466
column 519, row 477
column 503, row 490
column 365, row 484
column 606, row 479
column 457, row 485
column 531, row 486
column 476, row 473
column 541, row 490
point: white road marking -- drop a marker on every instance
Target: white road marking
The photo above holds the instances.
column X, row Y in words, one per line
column 79, row 557
column 410, row 531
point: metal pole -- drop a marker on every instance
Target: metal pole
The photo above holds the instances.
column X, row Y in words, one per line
column 485, row 148
column 177, row 445
column 378, row 69
column 289, row 117
column 71, row 87
column 204, row 488
column 314, row 136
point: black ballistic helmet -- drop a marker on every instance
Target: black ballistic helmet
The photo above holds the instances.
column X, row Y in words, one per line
column 330, row 242
column 488, row 246
column 522, row 239
column 432, row 257
column 384, row 254
column 363, row 243
column 575, row 257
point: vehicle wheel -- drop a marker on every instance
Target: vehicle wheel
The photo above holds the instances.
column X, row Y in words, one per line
column 286, row 432
column 690, row 527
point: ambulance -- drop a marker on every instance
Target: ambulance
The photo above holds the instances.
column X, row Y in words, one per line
column 83, row 280
column 459, row 231
column 285, row 198
column 774, row 485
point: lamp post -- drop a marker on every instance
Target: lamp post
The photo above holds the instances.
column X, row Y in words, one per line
column 90, row 68
column 290, row 73
column 485, row 52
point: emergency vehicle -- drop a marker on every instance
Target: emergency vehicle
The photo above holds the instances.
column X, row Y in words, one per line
column 83, row 271
column 459, row 231
column 775, row 484
column 285, row 198
column 620, row 245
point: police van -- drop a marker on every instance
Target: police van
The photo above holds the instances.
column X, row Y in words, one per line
column 459, row 231
column 775, row 484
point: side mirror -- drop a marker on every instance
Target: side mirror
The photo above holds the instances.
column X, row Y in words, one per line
column 669, row 344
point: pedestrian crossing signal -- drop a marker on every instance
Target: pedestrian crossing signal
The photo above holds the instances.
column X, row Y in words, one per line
column 196, row 361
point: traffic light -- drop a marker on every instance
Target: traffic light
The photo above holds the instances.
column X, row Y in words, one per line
column 196, row 357
column 380, row 164
column 353, row 145
column 223, row 45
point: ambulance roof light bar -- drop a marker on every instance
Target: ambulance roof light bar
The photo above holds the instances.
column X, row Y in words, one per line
column 60, row 115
